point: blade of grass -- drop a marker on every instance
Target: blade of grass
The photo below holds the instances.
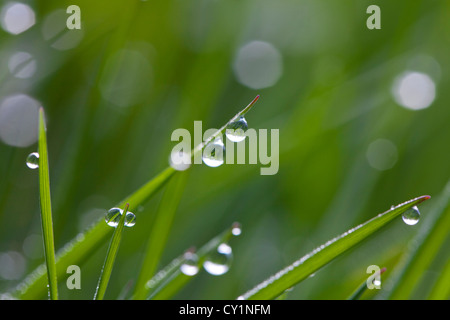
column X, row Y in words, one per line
column 170, row 280
column 160, row 231
column 310, row 263
column 82, row 246
column 430, row 237
column 85, row 243
column 110, row 257
column 361, row 289
column 441, row 290
column 46, row 209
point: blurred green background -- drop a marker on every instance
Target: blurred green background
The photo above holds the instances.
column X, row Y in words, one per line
column 363, row 117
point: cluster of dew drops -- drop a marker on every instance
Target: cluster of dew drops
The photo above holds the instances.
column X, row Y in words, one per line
column 214, row 152
column 112, row 218
column 216, row 263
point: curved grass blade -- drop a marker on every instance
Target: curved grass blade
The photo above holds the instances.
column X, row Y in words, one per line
column 170, row 280
column 110, row 257
column 431, row 236
column 46, row 209
column 85, row 243
column 310, row 263
column 160, row 231
column 362, row 288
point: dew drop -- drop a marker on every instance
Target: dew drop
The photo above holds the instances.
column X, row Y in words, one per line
column 112, row 217
column 180, row 160
column 33, row 160
column 130, row 219
column 214, row 153
column 218, row 262
column 190, row 264
column 235, row 131
column 411, row 216
column 236, row 229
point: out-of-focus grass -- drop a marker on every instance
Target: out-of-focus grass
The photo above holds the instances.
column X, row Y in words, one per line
column 332, row 100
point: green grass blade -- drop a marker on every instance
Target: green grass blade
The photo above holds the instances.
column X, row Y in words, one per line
column 166, row 283
column 110, row 257
column 361, row 289
column 302, row 268
column 441, row 290
column 430, row 237
column 160, row 231
column 46, row 209
column 82, row 246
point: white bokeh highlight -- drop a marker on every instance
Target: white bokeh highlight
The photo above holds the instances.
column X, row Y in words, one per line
column 22, row 65
column 382, row 154
column 258, row 65
column 19, row 116
column 414, row 90
column 17, row 17
column 56, row 33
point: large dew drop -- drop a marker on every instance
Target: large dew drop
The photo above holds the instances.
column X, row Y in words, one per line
column 112, row 217
column 214, row 153
column 235, row 131
column 219, row 262
column 411, row 216
column 190, row 264
column 33, row 160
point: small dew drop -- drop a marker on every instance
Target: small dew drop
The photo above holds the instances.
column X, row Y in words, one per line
column 33, row 160
column 236, row 229
column 235, row 131
column 180, row 160
column 219, row 262
column 377, row 282
column 190, row 264
column 411, row 216
column 112, row 217
column 130, row 219
column 214, row 153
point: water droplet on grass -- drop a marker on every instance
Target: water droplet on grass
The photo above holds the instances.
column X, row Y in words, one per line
column 112, row 217
column 218, row 262
column 130, row 219
column 236, row 229
column 33, row 160
column 190, row 264
column 214, row 153
column 411, row 216
column 235, row 131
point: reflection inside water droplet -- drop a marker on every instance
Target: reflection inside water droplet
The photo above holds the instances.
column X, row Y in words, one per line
column 33, row 160
column 235, row 131
column 411, row 216
column 219, row 262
